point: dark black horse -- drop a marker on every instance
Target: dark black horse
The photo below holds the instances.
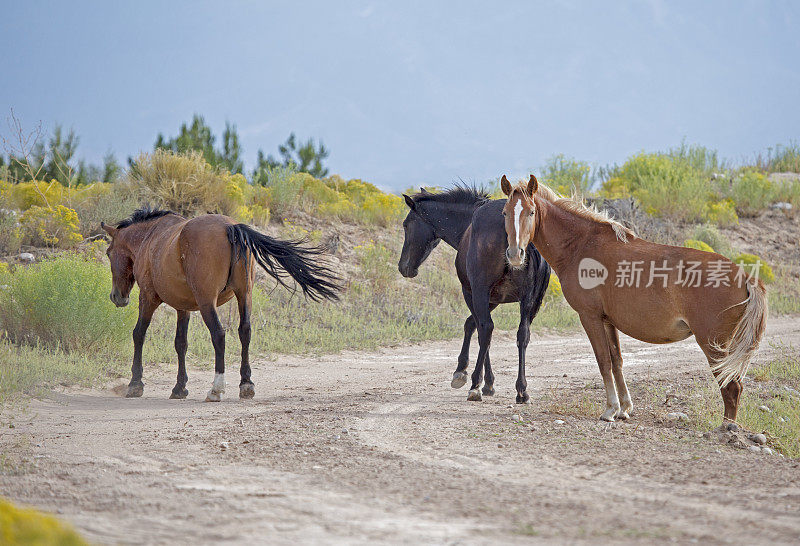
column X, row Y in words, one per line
column 472, row 223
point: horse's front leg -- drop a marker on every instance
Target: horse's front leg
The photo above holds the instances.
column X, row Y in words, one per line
column 180, row 392
column 460, row 375
column 209, row 313
column 147, row 306
column 595, row 329
column 523, row 337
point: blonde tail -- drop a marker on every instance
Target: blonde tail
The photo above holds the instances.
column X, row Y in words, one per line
column 739, row 349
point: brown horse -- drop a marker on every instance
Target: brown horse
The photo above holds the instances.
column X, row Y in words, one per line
column 659, row 293
column 201, row 264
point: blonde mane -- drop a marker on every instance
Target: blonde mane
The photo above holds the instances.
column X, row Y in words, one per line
column 576, row 206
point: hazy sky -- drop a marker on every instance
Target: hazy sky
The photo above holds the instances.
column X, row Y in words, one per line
column 409, row 93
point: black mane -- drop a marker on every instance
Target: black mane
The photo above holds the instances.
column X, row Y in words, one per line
column 142, row 215
column 460, row 193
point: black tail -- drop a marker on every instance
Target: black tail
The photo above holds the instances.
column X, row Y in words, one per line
column 317, row 281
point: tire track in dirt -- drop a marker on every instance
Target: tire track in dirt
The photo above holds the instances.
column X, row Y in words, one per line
column 366, row 447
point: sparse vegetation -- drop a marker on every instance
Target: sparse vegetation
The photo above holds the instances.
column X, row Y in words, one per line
column 47, row 341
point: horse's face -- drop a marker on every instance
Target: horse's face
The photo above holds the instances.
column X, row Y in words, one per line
column 520, row 218
column 121, row 268
column 420, row 240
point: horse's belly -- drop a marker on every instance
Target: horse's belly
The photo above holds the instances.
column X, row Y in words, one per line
column 667, row 330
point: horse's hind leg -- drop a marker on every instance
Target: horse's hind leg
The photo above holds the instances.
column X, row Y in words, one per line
column 483, row 317
column 181, row 346
column 626, row 404
column 246, row 388
column 597, row 336
column 460, row 375
column 209, row 313
column 146, row 309
column 730, row 392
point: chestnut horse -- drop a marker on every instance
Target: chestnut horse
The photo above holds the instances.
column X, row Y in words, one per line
column 654, row 293
column 201, row 264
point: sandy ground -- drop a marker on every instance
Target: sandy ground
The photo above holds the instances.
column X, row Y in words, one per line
column 360, row 448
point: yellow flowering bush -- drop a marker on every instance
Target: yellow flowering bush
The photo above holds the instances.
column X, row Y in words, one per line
column 27, row 526
column 382, row 209
column 53, row 227
column 755, row 266
column 699, row 245
column 554, row 291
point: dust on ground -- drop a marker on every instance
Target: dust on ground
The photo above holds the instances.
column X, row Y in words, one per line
column 365, row 447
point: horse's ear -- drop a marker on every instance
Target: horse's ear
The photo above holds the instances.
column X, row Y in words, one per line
column 410, row 202
column 533, row 185
column 111, row 230
column 423, row 191
column 505, row 185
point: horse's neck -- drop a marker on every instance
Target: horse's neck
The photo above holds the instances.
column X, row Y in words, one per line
column 450, row 221
column 559, row 234
column 137, row 235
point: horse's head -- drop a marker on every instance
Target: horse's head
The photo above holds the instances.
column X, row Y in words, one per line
column 121, row 259
column 420, row 239
column 520, row 213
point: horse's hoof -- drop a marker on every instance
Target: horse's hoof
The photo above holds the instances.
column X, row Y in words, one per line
column 247, row 391
column 135, row 390
column 608, row 415
column 474, row 395
column 178, row 394
column 459, row 380
column 523, row 398
column 623, row 415
column 213, row 396
column 488, row 390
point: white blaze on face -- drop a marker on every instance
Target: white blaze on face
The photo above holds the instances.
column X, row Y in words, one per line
column 517, row 214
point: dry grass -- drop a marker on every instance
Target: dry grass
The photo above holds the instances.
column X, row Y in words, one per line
column 184, row 183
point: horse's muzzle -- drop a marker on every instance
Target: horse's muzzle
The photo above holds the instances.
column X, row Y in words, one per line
column 407, row 271
column 515, row 259
column 118, row 299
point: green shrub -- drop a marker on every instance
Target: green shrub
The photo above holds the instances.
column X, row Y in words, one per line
column 63, row 302
column 24, row 526
column 781, row 159
column 711, row 235
column 699, row 245
column 107, row 203
column 377, row 265
column 755, row 267
column 675, row 184
column 10, row 232
column 53, row 227
column 751, row 192
column 567, row 175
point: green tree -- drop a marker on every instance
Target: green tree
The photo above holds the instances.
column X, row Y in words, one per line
column 198, row 137
column 306, row 157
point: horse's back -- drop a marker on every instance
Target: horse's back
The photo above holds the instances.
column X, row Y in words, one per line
column 192, row 261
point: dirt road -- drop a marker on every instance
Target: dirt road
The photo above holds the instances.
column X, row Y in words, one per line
column 361, row 448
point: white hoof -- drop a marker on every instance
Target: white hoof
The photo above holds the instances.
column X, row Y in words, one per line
column 474, row 395
column 622, row 415
column 217, row 388
column 609, row 414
